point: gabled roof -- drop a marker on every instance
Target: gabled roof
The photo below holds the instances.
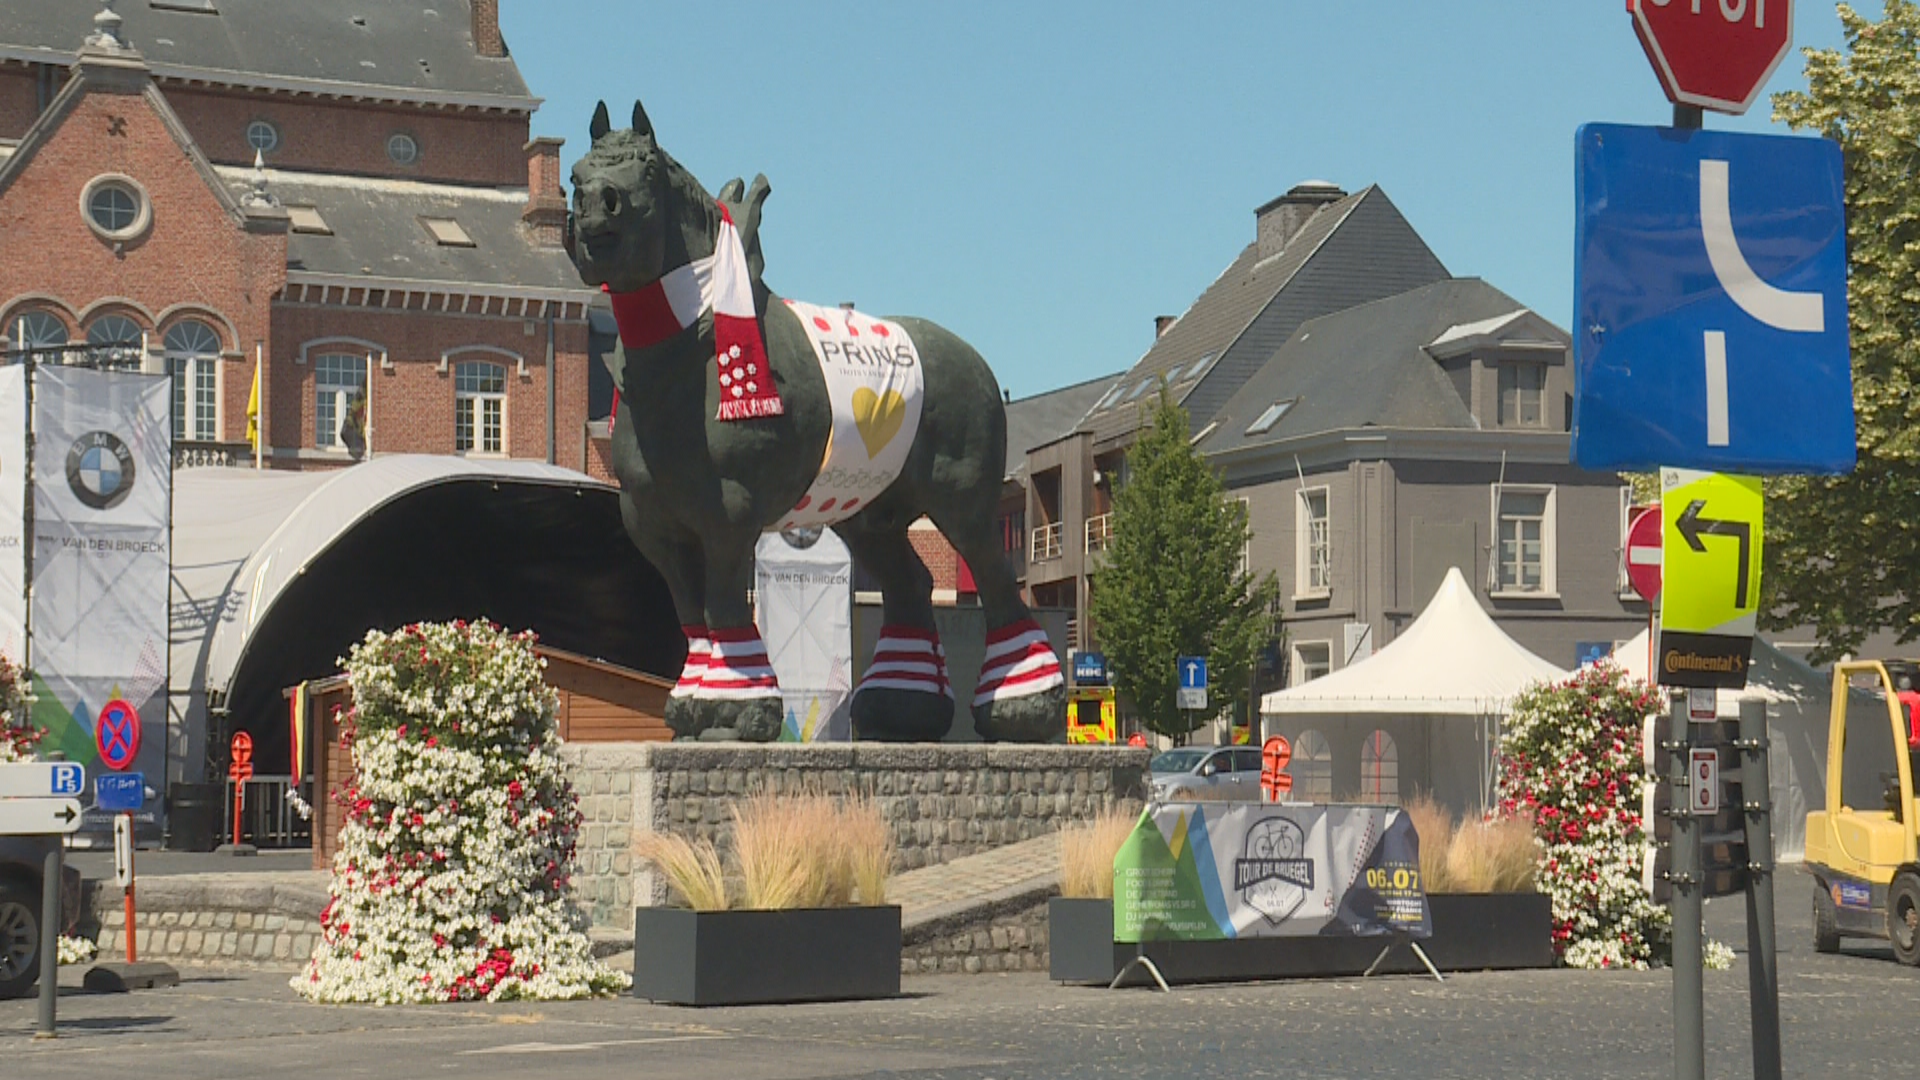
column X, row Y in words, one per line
column 1374, row 365
column 376, row 231
column 1352, row 250
column 1042, row 418
column 421, row 51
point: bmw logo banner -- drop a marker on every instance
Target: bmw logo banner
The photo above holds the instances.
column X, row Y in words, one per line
column 1204, row 871
column 102, row 452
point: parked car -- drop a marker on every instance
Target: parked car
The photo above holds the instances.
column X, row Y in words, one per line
column 22, row 864
column 1206, row 772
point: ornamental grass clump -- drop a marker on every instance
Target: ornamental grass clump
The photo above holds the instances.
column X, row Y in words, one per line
column 1087, row 851
column 787, row 852
column 1433, row 824
column 1493, row 856
column 451, row 881
column 692, row 867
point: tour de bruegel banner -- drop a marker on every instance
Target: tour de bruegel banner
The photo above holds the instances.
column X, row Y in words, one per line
column 1207, row 871
column 101, row 479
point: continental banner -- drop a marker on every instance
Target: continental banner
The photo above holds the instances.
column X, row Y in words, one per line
column 1207, row 871
column 101, row 505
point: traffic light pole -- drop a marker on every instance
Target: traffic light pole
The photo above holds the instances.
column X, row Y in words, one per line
column 1763, row 969
column 1689, row 979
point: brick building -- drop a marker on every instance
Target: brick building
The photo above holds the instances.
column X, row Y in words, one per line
column 346, row 195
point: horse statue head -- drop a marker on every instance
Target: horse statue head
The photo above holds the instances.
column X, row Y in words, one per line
column 624, row 230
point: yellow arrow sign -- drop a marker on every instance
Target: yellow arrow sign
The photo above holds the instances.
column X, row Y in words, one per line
column 1711, row 532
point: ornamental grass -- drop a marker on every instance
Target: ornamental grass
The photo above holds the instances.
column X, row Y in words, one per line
column 787, row 852
column 691, row 867
column 1087, row 851
column 1496, row 856
column 1434, row 825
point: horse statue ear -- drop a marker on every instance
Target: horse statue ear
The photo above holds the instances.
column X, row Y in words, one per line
column 641, row 125
column 600, row 125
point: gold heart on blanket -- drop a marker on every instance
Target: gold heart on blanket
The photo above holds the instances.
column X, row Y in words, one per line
column 878, row 416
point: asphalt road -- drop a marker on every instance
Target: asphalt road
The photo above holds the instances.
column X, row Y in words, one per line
column 1847, row 1015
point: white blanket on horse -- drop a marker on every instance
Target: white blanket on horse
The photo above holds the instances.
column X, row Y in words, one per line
column 875, row 383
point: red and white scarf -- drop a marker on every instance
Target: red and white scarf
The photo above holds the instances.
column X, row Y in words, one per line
column 720, row 282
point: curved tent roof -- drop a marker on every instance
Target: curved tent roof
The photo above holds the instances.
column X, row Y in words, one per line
column 278, row 574
column 1452, row 661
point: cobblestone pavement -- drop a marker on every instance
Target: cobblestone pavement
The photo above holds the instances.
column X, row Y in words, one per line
column 1847, row 1015
column 958, row 884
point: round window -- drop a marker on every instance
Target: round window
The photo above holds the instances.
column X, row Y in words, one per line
column 263, row 136
column 115, row 207
column 402, row 149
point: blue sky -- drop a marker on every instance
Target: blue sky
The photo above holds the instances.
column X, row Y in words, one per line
column 1046, row 177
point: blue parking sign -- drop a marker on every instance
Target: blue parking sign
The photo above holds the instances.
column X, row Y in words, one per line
column 1710, row 306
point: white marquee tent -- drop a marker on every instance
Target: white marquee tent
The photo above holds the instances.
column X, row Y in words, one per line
column 1437, row 691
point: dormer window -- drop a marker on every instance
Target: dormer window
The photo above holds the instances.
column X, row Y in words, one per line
column 1264, row 423
column 1522, row 394
column 307, row 219
column 447, row 232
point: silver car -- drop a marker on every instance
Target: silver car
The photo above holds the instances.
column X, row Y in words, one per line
column 1206, row 772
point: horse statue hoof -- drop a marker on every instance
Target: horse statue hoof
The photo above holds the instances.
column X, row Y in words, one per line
column 888, row 715
column 1034, row 718
column 682, row 715
column 717, row 734
column 750, row 720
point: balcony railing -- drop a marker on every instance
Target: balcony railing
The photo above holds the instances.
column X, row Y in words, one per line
column 196, row 454
column 1099, row 532
column 1048, row 541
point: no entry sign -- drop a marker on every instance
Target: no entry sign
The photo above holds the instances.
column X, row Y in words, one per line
column 1643, row 552
column 1714, row 54
column 117, row 735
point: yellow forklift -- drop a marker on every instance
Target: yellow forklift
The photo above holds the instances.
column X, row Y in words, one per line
column 1864, row 862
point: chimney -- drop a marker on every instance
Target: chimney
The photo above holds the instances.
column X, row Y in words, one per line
column 1280, row 220
column 1161, row 324
column 546, row 212
column 486, row 29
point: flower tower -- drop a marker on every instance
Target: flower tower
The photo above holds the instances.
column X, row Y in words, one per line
column 451, row 879
column 1570, row 760
column 17, row 733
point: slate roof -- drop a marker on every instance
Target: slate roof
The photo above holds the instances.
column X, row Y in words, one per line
column 1353, row 250
column 1042, row 418
column 1369, row 366
column 387, row 49
column 377, row 231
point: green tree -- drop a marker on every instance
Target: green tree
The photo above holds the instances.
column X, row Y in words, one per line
column 1173, row 583
column 1843, row 553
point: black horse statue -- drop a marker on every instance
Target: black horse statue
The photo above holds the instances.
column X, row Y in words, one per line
column 729, row 425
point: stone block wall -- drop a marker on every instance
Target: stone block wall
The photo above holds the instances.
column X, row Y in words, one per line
column 1013, row 941
column 216, row 919
column 944, row 800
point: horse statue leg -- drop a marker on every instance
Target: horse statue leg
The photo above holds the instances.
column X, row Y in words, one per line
column 679, row 563
column 1021, row 695
column 739, row 696
column 904, row 695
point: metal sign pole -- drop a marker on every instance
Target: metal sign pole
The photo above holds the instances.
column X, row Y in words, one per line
column 49, row 938
column 1763, row 969
column 1689, row 990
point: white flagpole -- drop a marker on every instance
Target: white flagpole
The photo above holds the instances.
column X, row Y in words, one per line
column 369, row 395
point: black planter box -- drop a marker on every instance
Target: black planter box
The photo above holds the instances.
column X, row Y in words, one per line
column 686, row 957
column 1470, row 933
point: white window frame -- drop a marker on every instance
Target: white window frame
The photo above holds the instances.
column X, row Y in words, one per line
column 1312, row 771
column 1380, row 749
column 199, row 420
column 1304, row 544
column 473, row 403
column 1549, row 544
column 1515, row 418
column 1625, row 584
column 1296, row 671
column 327, row 436
column 1246, row 545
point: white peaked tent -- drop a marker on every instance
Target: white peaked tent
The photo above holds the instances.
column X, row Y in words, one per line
column 1438, row 690
column 1797, row 697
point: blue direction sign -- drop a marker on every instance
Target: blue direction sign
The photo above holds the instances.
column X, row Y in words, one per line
column 120, row 792
column 1710, row 303
column 1193, row 672
column 42, row 779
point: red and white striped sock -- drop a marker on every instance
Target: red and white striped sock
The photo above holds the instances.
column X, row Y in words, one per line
column 697, row 648
column 738, row 667
column 1020, row 661
column 908, row 658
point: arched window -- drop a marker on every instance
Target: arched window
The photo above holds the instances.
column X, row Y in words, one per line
column 339, row 383
column 192, row 351
column 479, row 407
column 38, row 330
column 116, row 339
column 1312, row 768
column 1380, row 770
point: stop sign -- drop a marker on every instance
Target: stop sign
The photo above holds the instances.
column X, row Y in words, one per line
column 1715, row 54
column 1643, row 552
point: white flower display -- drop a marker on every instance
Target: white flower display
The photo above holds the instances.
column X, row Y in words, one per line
column 17, row 734
column 451, row 881
column 77, row 950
